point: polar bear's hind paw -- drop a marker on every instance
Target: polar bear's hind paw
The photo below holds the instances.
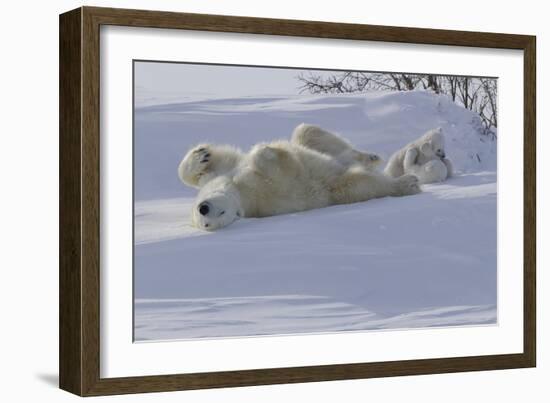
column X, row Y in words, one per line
column 369, row 160
column 407, row 185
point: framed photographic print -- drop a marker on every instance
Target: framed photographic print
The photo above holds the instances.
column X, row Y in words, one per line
column 250, row 201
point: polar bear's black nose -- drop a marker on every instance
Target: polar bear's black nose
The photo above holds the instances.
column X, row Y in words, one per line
column 204, row 209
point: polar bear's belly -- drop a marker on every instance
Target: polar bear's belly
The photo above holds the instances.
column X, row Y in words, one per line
column 266, row 198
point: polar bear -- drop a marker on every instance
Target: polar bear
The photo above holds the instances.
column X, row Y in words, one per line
column 315, row 169
column 425, row 158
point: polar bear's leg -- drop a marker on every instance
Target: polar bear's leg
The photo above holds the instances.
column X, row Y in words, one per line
column 394, row 167
column 367, row 160
column 405, row 185
column 410, row 159
column 359, row 185
column 431, row 172
column 265, row 158
column 449, row 166
column 273, row 161
column 436, row 170
column 319, row 140
column 328, row 143
column 205, row 162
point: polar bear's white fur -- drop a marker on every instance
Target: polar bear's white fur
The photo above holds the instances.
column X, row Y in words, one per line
column 431, row 172
column 315, row 169
column 424, row 158
column 330, row 144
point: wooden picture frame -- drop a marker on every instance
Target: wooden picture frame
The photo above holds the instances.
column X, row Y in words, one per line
column 79, row 278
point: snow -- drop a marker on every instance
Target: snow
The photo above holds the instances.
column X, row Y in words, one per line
column 393, row 263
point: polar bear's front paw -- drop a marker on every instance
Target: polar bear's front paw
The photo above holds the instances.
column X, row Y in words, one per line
column 407, row 185
column 196, row 163
column 199, row 161
column 202, row 156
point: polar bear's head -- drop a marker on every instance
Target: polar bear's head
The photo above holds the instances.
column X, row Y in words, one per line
column 217, row 205
column 432, row 144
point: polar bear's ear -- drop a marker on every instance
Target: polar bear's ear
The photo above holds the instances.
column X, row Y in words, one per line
column 426, row 148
